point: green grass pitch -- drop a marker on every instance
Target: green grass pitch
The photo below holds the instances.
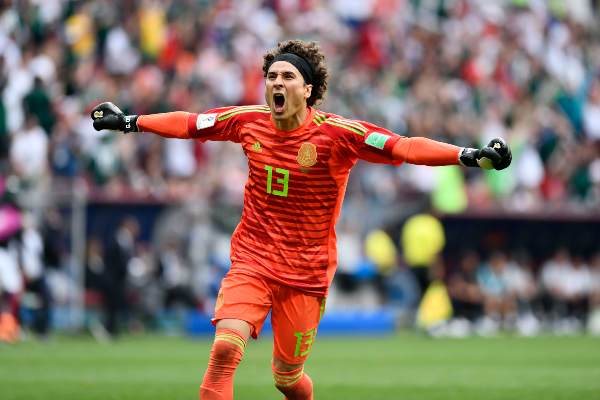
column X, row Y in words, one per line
column 403, row 366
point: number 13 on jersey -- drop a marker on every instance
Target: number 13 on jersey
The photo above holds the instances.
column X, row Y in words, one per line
column 282, row 177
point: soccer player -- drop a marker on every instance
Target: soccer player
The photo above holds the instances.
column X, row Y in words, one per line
column 283, row 251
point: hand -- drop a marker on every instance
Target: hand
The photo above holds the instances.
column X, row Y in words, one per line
column 496, row 155
column 108, row 116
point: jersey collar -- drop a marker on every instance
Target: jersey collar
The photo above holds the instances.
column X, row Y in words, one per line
column 307, row 121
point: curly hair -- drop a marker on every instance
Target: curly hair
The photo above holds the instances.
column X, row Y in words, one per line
column 311, row 52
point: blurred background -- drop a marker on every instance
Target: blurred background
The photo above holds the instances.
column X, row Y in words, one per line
column 109, row 233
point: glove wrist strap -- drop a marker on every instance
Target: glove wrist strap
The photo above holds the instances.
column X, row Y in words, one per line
column 130, row 123
column 468, row 157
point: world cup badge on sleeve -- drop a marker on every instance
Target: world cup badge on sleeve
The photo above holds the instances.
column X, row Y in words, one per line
column 307, row 154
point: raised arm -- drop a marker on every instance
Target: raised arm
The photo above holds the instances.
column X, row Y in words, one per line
column 423, row 151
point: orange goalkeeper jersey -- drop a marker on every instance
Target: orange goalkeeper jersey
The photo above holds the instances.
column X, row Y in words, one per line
column 295, row 187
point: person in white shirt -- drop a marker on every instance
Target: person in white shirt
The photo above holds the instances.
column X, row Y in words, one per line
column 565, row 281
column 29, row 151
column 578, row 288
column 29, row 162
column 520, row 282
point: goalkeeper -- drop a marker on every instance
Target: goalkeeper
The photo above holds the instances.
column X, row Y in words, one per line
column 283, row 251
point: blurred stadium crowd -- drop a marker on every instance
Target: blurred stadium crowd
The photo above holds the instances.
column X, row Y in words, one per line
column 461, row 71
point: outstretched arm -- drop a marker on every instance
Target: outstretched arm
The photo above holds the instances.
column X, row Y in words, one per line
column 172, row 124
column 423, row 151
column 376, row 144
column 217, row 124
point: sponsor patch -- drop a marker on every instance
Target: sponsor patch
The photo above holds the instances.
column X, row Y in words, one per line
column 377, row 140
column 205, row 120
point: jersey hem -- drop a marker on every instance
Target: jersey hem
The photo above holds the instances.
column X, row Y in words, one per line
column 247, row 269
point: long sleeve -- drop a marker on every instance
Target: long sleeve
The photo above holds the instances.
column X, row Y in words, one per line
column 372, row 143
column 170, row 125
column 217, row 124
column 423, row 151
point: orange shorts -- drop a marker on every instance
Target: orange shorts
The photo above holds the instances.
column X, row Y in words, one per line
column 295, row 315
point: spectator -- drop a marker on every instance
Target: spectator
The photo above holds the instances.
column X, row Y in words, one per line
column 350, row 256
column 595, row 281
column 523, row 287
column 465, row 293
column 96, row 280
column 53, row 236
column 29, row 151
column 175, row 276
column 566, row 284
column 499, row 302
column 119, row 253
column 38, row 103
column 145, row 296
column 94, row 266
column 423, row 240
column 34, row 274
column 4, row 135
column 11, row 282
column 578, row 287
column 553, row 274
column 594, row 319
column 591, row 112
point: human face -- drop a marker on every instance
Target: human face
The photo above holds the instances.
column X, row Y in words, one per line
column 286, row 93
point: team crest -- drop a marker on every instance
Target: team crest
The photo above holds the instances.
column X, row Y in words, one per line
column 307, row 155
column 257, row 147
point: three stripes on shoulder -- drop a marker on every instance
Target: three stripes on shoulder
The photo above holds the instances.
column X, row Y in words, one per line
column 319, row 118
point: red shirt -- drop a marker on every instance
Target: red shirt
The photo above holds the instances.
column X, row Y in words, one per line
column 295, row 187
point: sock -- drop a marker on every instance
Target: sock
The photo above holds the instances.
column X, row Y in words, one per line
column 226, row 354
column 295, row 385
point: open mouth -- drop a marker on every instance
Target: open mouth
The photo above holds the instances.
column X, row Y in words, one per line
column 278, row 102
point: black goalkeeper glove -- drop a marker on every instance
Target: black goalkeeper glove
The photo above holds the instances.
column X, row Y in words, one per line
column 496, row 155
column 108, row 116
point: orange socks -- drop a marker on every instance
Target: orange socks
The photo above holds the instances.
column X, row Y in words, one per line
column 226, row 354
column 295, row 385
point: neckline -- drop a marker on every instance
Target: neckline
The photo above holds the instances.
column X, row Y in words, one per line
column 307, row 121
